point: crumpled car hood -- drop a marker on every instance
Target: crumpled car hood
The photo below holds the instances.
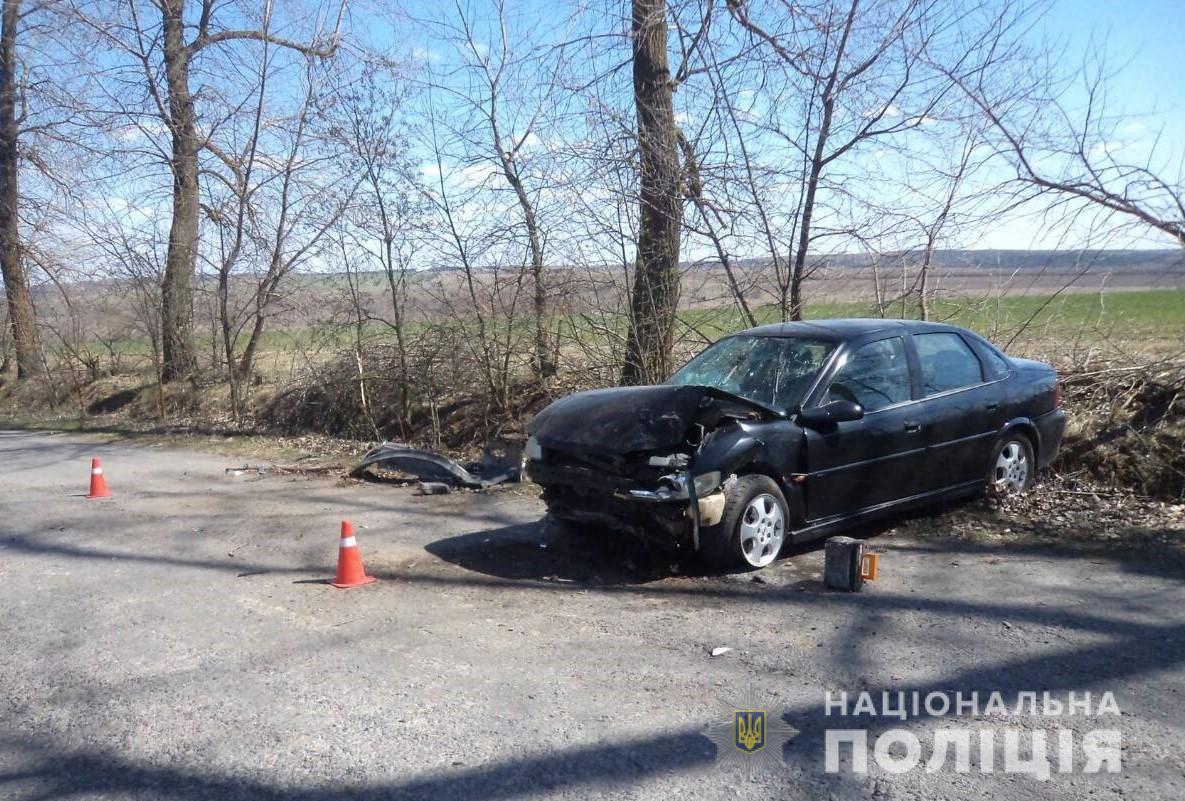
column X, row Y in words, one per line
column 620, row 419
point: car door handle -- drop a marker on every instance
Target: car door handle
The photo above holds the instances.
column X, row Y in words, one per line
column 991, row 407
column 912, row 426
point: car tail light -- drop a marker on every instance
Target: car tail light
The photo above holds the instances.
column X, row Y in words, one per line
column 1057, row 394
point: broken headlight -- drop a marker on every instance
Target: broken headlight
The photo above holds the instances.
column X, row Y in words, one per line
column 706, row 483
column 674, row 487
column 532, row 450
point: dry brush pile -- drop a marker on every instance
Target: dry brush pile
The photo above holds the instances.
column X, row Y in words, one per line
column 439, row 400
column 1127, row 428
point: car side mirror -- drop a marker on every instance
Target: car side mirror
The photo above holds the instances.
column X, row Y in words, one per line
column 827, row 415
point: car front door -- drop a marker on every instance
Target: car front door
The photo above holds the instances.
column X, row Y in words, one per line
column 877, row 459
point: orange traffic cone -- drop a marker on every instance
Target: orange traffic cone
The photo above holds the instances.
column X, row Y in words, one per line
column 98, row 483
column 350, row 572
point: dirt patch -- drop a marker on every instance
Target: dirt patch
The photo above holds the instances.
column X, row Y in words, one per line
column 115, row 401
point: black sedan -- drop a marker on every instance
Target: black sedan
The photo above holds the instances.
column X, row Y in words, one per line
column 795, row 431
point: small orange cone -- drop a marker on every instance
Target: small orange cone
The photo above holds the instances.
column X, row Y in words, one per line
column 350, row 572
column 98, row 483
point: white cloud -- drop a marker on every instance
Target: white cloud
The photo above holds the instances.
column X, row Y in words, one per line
column 924, row 119
column 891, row 110
column 1133, row 130
column 456, row 176
column 1106, row 148
column 148, row 128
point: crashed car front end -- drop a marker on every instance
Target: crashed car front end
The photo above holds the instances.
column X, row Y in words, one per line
column 650, row 502
column 629, row 459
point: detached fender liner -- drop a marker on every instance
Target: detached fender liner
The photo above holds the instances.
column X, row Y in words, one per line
column 429, row 466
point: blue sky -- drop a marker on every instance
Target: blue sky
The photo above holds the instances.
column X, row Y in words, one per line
column 1142, row 40
column 1146, row 37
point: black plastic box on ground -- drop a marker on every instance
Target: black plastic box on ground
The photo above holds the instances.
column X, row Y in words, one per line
column 842, row 560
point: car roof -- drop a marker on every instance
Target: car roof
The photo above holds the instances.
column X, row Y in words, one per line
column 844, row 329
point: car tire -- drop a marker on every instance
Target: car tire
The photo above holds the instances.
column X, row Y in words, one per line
column 753, row 528
column 1013, row 467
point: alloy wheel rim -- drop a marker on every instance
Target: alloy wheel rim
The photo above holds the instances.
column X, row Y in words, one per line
column 1012, row 468
column 762, row 530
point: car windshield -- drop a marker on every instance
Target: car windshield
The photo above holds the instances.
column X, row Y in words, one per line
column 772, row 371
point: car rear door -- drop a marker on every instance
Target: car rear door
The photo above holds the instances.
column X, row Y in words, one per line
column 877, row 459
column 960, row 409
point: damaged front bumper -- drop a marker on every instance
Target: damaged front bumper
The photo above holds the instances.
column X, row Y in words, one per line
column 664, row 514
column 709, row 495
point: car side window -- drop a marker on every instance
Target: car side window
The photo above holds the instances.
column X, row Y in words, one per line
column 947, row 362
column 876, row 375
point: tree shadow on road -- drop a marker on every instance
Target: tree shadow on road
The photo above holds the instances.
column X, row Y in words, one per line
column 50, row 772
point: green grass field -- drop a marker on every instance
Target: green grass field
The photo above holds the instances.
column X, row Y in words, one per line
column 1129, row 318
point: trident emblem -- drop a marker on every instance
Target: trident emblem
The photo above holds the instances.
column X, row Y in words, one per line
column 749, row 729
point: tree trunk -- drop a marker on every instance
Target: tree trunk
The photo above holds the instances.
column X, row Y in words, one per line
column 798, row 271
column 544, row 365
column 396, row 285
column 656, row 271
column 21, row 315
column 818, row 161
column 178, row 359
column 924, row 280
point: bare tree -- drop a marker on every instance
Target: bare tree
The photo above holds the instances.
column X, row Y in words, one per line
column 499, row 96
column 854, row 66
column 133, row 256
column 655, row 295
column 272, row 204
column 479, row 297
column 21, row 314
column 173, row 46
column 385, row 220
column 950, row 186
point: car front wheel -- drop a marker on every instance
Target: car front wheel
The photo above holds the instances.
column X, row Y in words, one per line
column 753, row 528
column 1012, row 465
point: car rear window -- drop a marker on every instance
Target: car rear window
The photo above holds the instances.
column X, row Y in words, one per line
column 947, row 362
column 995, row 366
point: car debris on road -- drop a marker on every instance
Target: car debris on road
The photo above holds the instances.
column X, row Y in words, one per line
column 434, row 468
column 433, row 488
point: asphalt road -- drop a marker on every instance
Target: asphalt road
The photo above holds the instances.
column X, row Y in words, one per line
column 179, row 642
